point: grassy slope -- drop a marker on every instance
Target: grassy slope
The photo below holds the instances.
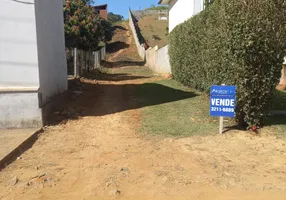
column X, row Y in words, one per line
column 150, row 26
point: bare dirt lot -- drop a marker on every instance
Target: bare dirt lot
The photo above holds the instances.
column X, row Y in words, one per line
column 100, row 155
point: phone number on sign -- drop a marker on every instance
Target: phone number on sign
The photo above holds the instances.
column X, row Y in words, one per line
column 216, row 109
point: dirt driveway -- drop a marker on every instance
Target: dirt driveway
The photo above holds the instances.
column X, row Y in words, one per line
column 100, row 155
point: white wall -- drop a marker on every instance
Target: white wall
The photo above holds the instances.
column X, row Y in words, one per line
column 182, row 10
column 18, row 110
column 140, row 47
column 51, row 48
column 158, row 60
column 18, row 45
column 163, row 60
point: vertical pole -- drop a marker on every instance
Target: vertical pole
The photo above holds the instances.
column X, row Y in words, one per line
column 85, row 61
column 220, row 125
column 81, row 61
column 221, row 122
column 75, row 63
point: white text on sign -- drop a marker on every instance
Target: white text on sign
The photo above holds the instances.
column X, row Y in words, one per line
column 222, row 102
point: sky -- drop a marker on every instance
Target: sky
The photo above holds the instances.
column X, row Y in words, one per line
column 121, row 6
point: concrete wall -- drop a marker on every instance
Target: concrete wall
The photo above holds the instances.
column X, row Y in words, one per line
column 20, row 110
column 181, row 10
column 32, row 60
column 18, row 45
column 156, row 59
column 140, row 47
column 51, row 48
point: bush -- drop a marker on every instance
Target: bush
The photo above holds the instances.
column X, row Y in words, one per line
column 234, row 42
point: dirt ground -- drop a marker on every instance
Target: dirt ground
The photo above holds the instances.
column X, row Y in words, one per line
column 12, row 138
column 100, row 155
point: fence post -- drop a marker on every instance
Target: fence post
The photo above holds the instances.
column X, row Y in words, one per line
column 96, row 60
column 88, row 61
column 92, row 60
column 81, row 61
column 85, row 60
column 76, row 71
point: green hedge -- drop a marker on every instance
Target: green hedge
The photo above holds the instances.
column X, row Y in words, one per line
column 235, row 42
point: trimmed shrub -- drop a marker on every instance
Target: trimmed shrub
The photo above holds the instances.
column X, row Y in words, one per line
column 233, row 42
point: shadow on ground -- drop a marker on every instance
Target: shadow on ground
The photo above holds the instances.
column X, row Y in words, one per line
column 116, row 46
column 92, row 99
column 275, row 120
column 119, row 64
column 97, row 75
column 119, row 27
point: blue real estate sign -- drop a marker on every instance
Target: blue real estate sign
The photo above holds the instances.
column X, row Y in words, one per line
column 222, row 102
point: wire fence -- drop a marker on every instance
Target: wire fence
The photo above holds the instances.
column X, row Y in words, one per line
column 80, row 61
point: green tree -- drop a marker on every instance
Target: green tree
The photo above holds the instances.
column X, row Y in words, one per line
column 106, row 30
column 114, row 17
column 84, row 28
column 153, row 7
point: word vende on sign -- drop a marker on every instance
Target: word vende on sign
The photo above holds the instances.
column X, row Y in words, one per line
column 222, row 101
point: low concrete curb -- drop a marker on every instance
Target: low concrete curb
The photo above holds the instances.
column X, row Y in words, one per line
column 16, row 152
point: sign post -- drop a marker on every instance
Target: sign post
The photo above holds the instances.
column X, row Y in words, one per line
column 222, row 103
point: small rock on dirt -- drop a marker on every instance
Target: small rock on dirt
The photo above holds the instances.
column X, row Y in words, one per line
column 165, row 179
column 14, row 181
column 124, row 169
column 107, row 184
column 114, row 192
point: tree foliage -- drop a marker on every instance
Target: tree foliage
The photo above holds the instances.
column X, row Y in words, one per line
column 153, row 7
column 114, row 17
column 84, row 28
column 233, row 42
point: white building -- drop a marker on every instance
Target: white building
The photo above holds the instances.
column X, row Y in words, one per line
column 181, row 10
column 32, row 60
